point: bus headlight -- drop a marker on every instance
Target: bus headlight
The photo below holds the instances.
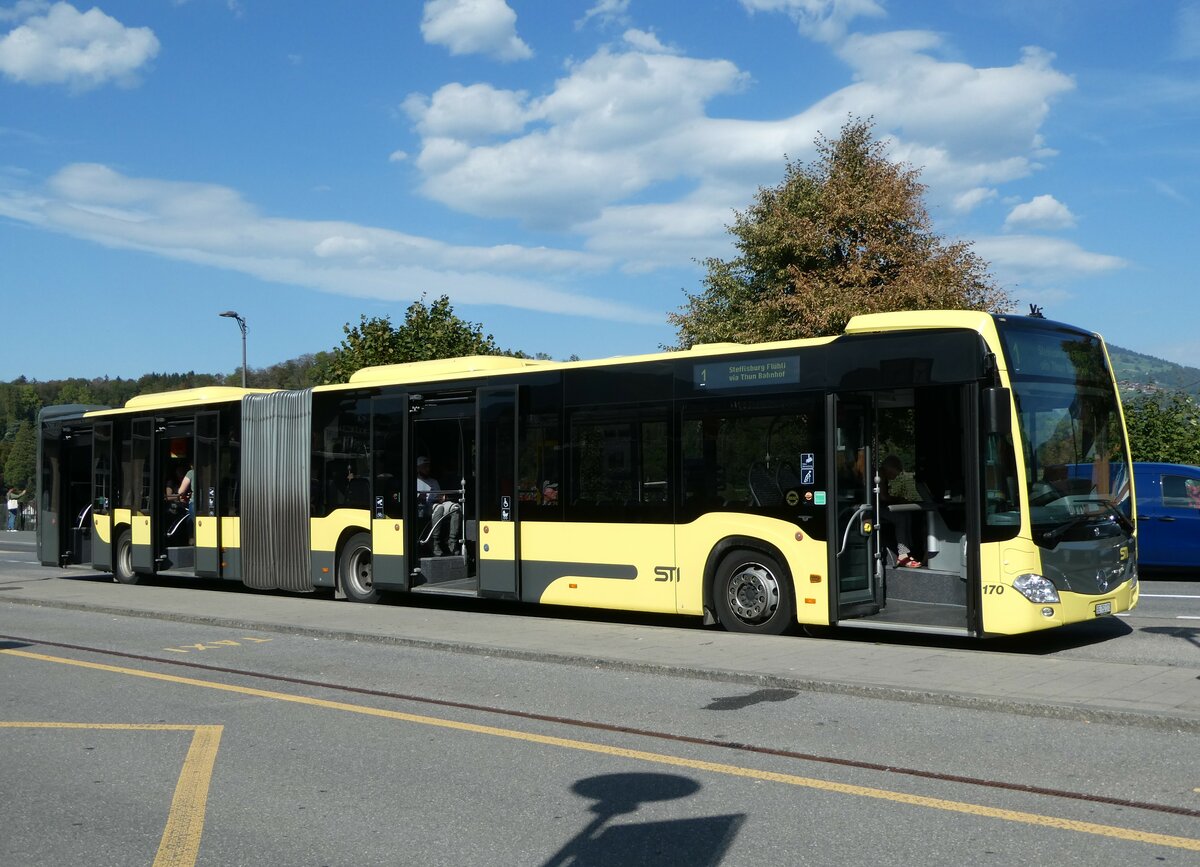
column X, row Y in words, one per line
column 1035, row 588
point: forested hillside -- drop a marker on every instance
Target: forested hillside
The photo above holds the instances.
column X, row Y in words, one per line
column 1139, row 372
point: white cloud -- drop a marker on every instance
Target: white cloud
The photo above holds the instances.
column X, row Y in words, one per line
column 80, row 49
column 340, row 245
column 1042, row 260
column 606, row 12
column 474, row 27
column 627, row 132
column 468, row 113
column 213, row 225
column 1187, row 31
column 1041, row 212
column 397, row 156
column 645, row 40
column 971, row 199
column 823, row 20
column 617, row 123
column 1169, row 191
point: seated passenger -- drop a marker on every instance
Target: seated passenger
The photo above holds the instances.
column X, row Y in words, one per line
column 358, row 490
column 445, row 517
column 897, row 487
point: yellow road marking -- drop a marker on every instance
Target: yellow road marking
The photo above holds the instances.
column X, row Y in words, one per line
column 180, row 843
column 1127, row 834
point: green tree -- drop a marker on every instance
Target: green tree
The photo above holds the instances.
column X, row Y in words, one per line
column 846, row 234
column 429, row 331
column 20, row 468
column 76, row 391
column 1164, row 430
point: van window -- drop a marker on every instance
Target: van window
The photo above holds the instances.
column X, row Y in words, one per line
column 1182, row 492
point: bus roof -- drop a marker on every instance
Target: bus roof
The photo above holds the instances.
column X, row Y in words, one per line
column 908, row 320
column 184, row 397
column 439, row 368
column 465, row 366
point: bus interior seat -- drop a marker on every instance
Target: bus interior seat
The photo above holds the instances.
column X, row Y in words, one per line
column 764, row 491
column 786, row 477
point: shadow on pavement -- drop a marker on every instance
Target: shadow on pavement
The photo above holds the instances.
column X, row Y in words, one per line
column 697, row 842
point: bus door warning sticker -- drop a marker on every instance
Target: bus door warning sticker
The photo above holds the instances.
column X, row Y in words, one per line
column 808, row 469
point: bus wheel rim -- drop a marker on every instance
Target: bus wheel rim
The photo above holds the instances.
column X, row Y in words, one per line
column 360, row 571
column 753, row 593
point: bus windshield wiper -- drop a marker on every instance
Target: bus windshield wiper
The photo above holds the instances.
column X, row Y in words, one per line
column 1063, row 529
column 1115, row 515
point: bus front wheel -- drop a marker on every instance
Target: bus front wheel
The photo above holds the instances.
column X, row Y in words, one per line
column 123, row 560
column 753, row 593
column 354, row 569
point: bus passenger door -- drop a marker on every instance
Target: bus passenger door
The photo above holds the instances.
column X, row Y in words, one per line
column 497, row 538
column 853, row 537
column 102, row 493
column 391, row 491
column 50, row 494
column 145, row 501
column 207, row 495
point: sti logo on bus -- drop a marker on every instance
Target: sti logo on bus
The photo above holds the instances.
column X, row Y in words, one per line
column 666, row 573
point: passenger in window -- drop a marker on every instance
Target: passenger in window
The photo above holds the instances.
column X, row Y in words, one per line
column 445, row 518
column 898, row 487
column 358, row 489
column 1192, row 489
column 187, row 483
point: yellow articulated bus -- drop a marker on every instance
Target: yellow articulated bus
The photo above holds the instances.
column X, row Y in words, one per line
column 946, row 472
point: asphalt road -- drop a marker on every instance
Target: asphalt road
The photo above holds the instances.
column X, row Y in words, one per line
column 129, row 739
column 415, row 756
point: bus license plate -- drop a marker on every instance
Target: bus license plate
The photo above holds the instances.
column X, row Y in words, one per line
column 1103, row 608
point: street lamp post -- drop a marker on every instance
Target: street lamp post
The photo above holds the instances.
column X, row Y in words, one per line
column 241, row 321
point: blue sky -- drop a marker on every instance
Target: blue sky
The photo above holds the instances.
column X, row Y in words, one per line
column 556, row 168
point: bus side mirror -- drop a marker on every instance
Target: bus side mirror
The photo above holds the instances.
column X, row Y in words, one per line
column 997, row 411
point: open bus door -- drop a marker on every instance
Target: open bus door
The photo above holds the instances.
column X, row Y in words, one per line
column 65, row 497
column 392, row 502
column 854, row 536
column 50, row 494
column 207, row 495
column 102, row 495
column 145, row 503
column 900, row 540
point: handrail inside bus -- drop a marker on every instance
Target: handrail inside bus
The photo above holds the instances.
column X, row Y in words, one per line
column 865, row 507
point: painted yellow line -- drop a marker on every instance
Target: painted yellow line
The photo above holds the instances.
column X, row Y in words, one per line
column 114, row 727
column 1127, row 834
column 180, row 843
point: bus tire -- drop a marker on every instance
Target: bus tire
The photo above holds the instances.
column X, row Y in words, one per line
column 354, row 569
column 753, row 593
column 123, row 559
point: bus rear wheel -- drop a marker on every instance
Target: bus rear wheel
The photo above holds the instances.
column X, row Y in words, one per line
column 753, row 593
column 354, row 569
column 123, row 560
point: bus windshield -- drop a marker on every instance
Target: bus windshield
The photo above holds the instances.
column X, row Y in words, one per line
column 1077, row 473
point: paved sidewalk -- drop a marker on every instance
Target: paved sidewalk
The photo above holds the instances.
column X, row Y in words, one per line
column 1160, row 696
